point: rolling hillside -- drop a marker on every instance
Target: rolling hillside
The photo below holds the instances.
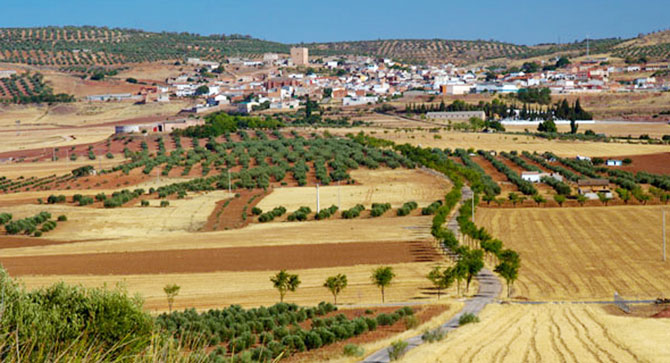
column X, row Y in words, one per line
column 104, row 46
column 68, row 46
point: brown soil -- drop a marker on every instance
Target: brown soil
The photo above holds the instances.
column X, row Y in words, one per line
column 21, row 241
column 423, row 314
column 230, row 216
column 497, row 176
column 665, row 313
column 224, row 259
column 652, row 163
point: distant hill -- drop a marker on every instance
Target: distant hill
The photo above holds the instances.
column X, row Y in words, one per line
column 105, row 46
column 422, row 51
column 86, row 45
column 653, row 46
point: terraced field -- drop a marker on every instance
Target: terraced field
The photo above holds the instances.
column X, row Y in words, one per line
column 584, row 253
column 551, row 333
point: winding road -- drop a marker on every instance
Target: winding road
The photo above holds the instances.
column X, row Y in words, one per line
column 489, row 289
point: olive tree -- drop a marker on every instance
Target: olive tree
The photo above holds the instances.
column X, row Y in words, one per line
column 441, row 278
column 171, row 291
column 382, row 277
column 284, row 282
column 335, row 284
column 510, row 262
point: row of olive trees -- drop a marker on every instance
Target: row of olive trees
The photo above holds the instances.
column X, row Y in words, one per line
column 286, row 282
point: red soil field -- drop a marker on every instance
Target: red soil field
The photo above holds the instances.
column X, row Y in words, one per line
column 652, row 163
column 224, row 259
column 231, row 216
column 665, row 313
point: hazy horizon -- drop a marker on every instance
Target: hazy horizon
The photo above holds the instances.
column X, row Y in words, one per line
column 519, row 22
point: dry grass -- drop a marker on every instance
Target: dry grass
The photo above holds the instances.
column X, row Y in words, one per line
column 501, row 142
column 42, row 169
column 250, row 289
column 584, row 253
column 656, row 130
column 551, row 333
column 376, row 186
column 268, row 234
column 188, row 214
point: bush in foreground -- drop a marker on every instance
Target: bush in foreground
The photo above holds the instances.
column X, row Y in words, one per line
column 70, row 318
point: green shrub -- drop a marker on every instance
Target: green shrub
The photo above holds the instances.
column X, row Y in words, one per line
column 407, row 208
column 165, row 203
column 62, row 218
column 353, row 212
column 379, row 208
column 256, row 211
column 397, row 349
column 144, row 203
column 353, row 350
column 467, row 319
column 432, row 336
column 300, row 214
column 410, row 322
column 107, row 319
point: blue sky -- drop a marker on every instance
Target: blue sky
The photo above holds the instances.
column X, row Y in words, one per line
column 292, row 21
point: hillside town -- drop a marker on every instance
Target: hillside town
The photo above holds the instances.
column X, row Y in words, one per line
column 280, row 82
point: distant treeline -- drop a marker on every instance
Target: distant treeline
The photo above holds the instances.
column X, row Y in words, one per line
column 220, row 123
column 497, row 108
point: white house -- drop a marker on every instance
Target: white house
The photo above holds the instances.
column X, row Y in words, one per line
column 533, row 176
column 613, row 162
column 583, row 158
column 357, row 101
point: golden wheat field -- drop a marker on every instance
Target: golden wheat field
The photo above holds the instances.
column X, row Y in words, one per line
column 376, row 186
column 584, row 253
column 501, row 142
column 656, row 130
column 253, row 288
column 551, row 333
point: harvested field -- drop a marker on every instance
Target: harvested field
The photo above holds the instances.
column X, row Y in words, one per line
column 84, row 122
column 148, row 238
column 502, row 142
column 188, row 214
column 253, row 288
column 395, row 186
column 655, row 130
column 551, row 333
column 583, row 253
column 223, row 259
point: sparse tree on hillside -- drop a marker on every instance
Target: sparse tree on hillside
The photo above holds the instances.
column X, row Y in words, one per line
column 560, row 199
column 382, row 277
column 509, row 268
column 473, row 260
column 335, row 284
column 581, row 200
column 460, row 273
column 441, row 278
column 603, row 198
column 514, row 198
column 539, row 199
column 624, row 194
column 284, row 282
column 171, row 291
